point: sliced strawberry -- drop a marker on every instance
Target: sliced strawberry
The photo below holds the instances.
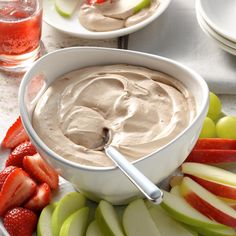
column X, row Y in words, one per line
column 41, row 170
column 20, row 222
column 40, row 199
column 17, row 188
column 15, row 135
column 91, row 2
column 5, row 173
column 16, row 156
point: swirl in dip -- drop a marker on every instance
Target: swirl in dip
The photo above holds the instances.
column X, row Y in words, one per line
column 114, row 14
column 144, row 110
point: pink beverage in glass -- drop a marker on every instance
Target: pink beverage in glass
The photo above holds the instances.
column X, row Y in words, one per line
column 20, row 32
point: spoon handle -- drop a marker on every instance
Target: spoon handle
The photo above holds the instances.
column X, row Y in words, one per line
column 150, row 190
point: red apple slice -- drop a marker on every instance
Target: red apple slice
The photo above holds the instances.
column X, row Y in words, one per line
column 207, row 203
column 219, row 189
column 212, row 156
column 229, row 202
column 216, row 143
column 210, row 173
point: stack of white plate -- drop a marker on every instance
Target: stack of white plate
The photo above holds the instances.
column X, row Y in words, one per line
column 217, row 18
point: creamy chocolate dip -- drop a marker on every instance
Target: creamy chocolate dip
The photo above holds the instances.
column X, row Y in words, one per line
column 143, row 109
column 113, row 14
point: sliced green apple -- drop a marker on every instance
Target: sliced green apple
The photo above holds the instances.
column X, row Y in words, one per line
column 76, row 223
column 137, row 220
column 93, row 229
column 207, row 203
column 142, row 4
column 44, row 222
column 123, row 9
column 107, row 219
column 215, row 232
column 180, row 210
column 65, row 207
column 163, row 222
column 66, row 7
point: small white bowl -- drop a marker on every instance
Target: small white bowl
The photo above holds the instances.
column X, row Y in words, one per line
column 220, row 15
column 108, row 182
column 73, row 27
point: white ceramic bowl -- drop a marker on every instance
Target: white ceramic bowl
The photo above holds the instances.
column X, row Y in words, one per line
column 108, row 182
column 73, row 27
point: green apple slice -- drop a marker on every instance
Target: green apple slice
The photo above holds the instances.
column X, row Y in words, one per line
column 216, row 232
column 107, row 219
column 65, row 207
column 123, row 9
column 180, row 210
column 66, row 7
column 93, row 229
column 76, row 223
column 137, row 220
column 166, row 225
column 142, row 4
column 44, row 222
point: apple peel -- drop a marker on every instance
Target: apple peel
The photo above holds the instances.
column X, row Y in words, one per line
column 216, row 143
column 207, row 203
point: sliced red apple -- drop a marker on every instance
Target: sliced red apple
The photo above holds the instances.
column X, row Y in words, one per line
column 210, row 173
column 212, row 156
column 179, row 209
column 229, row 202
column 207, row 203
column 216, row 143
column 219, row 189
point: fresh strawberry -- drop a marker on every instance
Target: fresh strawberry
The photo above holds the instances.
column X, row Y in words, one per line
column 15, row 135
column 17, row 155
column 40, row 199
column 5, row 173
column 91, row 2
column 16, row 189
column 20, row 222
column 41, row 170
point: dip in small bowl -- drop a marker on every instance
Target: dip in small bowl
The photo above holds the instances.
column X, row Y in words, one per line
column 153, row 106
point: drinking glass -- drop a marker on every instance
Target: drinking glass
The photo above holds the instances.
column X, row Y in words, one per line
column 20, row 33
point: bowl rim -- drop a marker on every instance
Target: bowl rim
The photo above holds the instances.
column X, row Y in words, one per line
column 36, row 139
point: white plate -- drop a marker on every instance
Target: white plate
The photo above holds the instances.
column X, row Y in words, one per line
column 202, row 24
column 73, row 27
column 212, row 32
column 221, row 16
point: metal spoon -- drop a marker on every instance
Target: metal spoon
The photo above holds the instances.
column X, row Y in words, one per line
column 149, row 189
